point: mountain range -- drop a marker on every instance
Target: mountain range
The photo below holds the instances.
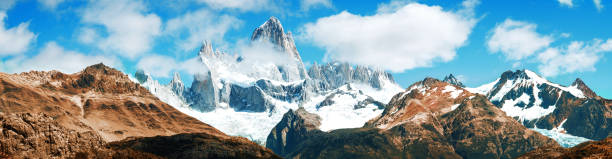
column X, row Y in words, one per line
column 279, row 108
column 251, row 94
column 346, row 96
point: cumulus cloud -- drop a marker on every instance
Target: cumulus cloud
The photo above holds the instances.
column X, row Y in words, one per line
column 54, row 57
column 517, row 39
column 88, row 35
column 7, row 4
column 241, row 5
column 567, row 3
column 263, row 52
column 130, row 29
column 157, row 65
column 308, row 4
column 576, row 57
column 50, row 4
column 164, row 66
column 414, row 35
column 200, row 25
column 598, row 4
column 14, row 40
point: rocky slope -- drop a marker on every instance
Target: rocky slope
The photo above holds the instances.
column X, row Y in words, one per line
column 99, row 99
column 538, row 103
column 296, row 126
column 431, row 119
column 39, row 136
column 587, row 150
column 193, row 145
column 83, row 111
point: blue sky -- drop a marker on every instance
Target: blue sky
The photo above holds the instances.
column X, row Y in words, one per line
column 561, row 40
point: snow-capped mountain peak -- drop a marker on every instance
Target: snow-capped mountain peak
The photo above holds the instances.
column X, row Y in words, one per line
column 580, row 85
column 272, row 31
column 543, row 105
column 513, row 81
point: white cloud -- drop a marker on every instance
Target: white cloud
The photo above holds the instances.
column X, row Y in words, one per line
column 14, row 40
column 88, row 35
column 242, row 5
column 565, row 35
column 163, row 66
column 598, row 4
column 262, row 53
column 567, row 3
column 129, row 28
column 198, row 26
column 50, row 4
column 392, row 6
column 412, row 36
column 576, row 57
column 516, row 39
column 157, row 65
column 308, row 4
column 7, row 4
column 54, row 57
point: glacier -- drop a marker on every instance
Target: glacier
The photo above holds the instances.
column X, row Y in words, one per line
column 565, row 140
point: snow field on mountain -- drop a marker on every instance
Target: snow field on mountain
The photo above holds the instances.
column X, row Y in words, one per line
column 534, row 112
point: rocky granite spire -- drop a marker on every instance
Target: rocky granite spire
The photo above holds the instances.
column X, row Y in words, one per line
column 206, row 49
column 176, row 84
column 452, row 80
column 272, row 31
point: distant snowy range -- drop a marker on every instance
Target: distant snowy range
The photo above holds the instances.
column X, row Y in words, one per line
column 247, row 95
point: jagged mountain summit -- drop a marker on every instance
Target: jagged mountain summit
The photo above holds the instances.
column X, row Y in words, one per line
column 57, row 115
column 272, row 31
column 253, row 94
column 452, row 80
column 430, row 119
column 540, row 104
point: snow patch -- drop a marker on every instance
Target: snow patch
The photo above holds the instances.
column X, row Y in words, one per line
column 454, row 93
column 454, row 106
column 531, row 113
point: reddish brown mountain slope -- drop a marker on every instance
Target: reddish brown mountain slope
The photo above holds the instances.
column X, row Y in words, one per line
column 100, row 101
column 98, row 98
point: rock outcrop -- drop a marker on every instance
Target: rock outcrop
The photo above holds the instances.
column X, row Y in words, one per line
column 591, row 150
column 452, row 80
column 295, row 127
column 26, row 135
column 193, row 145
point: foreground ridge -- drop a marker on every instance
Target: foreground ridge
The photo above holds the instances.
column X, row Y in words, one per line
column 47, row 114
